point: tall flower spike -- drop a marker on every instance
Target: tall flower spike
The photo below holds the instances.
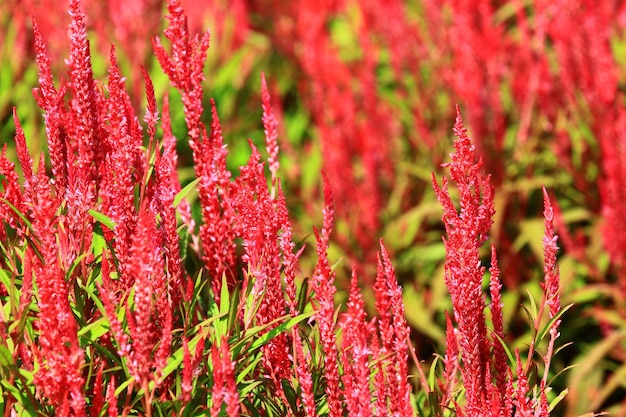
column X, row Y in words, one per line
column 394, row 334
column 466, row 231
column 551, row 284
column 224, row 386
column 500, row 358
column 323, row 284
column 550, row 269
column 355, row 354
column 11, row 192
column 119, row 174
column 215, row 190
column 111, row 399
column 271, row 131
column 451, row 363
column 24, row 157
column 84, row 106
column 60, row 357
column 51, row 101
column 185, row 67
column 261, row 220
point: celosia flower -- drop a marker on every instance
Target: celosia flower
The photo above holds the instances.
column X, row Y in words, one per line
column 59, row 376
column 111, row 399
column 324, row 292
column 271, row 130
column 51, row 101
column 261, row 221
column 11, row 193
column 551, row 283
column 451, row 363
column 217, row 233
column 119, row 170
column 185, row 67
column 500, row 359
column 224, row 386
column 466, row 231
column 146, row 266
column 355, row 354
column 394, row 335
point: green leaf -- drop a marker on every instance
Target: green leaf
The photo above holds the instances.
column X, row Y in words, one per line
column 94, row 331
column 506, row 349
column 432, row 377
column 185, row 191
column 552, row 321
column 558, row 399
column 303, row 295
column 201, row 331
column 533, row 307
column 103, row 219
column 249, row 368
column 6, row 359
column 265, row 338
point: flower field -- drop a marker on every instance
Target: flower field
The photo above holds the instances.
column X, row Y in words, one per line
column 333, row 208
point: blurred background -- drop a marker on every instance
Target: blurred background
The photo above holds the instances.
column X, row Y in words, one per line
column 366, row 91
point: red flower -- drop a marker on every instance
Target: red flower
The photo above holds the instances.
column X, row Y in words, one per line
column 466, row 231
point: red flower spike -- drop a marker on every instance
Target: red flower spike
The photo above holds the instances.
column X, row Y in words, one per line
column 323, row 285
column 97, row 403
column 185, row 67
column 111, row 399
column 147, row 268
column 355, row 354
column 164, row 199
column 499, row 355
column 520, row 402
column 59, row 377
column 261, row 222
column 82, row 123
column 186, row 384
column 23, row 156
column 271, row 130
column 152, row 114
column 12, row 193
column 466, row 231
column 84, row 102
column 217, row 233
column 304, row 376
column 451, row 363
column 51, row 102
column 394, row 333
column 551, row 284
column 224, row 387
column 117, row 189
column 551, row 270
column 287, row 246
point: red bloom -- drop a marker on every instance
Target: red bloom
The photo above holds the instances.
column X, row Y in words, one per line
column 11, row 193
column 324, row 291
column 51, row 101
column 261, row 220
column 271, row 130
column 355, row 354
column 394, row 335
column 185, row 67
column 215, row 190
column 224, row 386
column 466, row 231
